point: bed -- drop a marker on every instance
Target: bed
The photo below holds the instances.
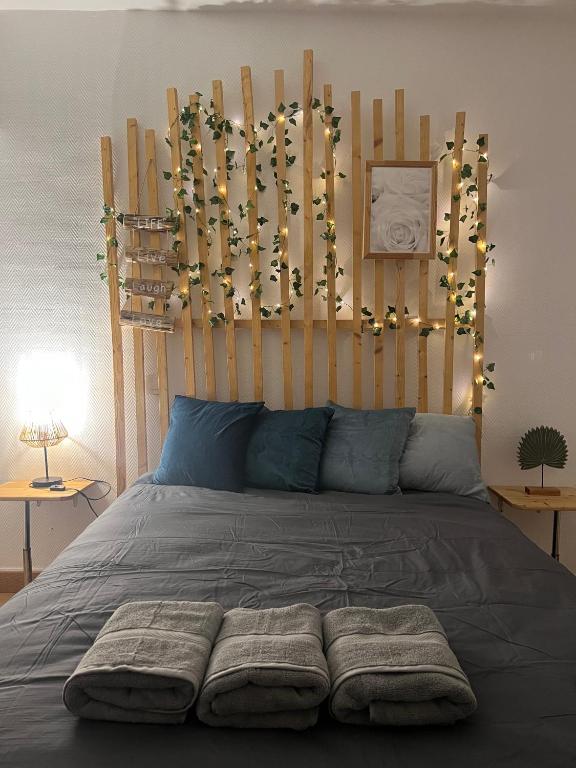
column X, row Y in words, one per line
column 509, row 611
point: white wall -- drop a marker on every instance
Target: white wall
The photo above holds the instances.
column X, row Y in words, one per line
column 67, row 78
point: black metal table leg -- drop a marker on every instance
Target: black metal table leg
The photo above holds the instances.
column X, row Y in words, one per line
column 27, row 553
column 556, row 536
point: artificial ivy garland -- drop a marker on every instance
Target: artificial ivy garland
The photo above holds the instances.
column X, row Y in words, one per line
column 239, row 244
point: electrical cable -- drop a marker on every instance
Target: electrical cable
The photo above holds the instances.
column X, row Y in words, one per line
column 90, row 499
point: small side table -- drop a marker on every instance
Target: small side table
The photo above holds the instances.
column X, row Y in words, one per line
column 516, row 497
column 20, row 490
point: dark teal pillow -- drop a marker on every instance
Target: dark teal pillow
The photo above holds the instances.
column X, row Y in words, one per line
column 206, row 444
column 285, row 449
column 363, row 449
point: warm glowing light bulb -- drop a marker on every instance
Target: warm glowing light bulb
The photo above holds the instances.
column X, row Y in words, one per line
column 477, row 357
column 436, row 326
column 455, row 163
column 281, row 119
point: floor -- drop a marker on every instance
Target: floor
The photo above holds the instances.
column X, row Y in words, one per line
column 4, row 597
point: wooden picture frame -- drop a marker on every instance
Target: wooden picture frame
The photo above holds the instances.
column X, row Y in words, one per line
column 412, row 199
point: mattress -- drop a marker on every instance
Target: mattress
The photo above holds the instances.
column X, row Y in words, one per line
column 508, row 609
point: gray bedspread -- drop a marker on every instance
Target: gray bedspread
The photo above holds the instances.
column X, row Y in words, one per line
column 509, row 612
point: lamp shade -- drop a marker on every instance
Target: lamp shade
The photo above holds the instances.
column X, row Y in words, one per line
column 43, row 434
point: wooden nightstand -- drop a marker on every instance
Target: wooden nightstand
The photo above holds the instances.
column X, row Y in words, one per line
column 20, row 490
column 517, row 498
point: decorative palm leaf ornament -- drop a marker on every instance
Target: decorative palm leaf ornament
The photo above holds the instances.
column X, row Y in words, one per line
column 542, row 446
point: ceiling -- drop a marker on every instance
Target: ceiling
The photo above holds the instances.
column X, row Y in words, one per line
column 185, row 5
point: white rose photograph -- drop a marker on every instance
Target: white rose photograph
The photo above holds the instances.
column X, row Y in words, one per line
column 400, row 209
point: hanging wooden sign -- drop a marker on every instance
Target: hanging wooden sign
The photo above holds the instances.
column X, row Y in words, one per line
column 142, row 286
column 156, row 256
column 144, row 320
column 149, row 223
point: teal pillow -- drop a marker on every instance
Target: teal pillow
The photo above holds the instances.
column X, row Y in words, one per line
column 363, row 449
column 206, row 444
column 285, row 449
column 441, row 455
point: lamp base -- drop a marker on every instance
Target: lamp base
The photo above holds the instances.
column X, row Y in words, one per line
column 45, row 482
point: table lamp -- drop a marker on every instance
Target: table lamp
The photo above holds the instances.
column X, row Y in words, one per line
column 43, row 434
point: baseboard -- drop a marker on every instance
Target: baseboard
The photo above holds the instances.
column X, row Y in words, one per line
column 12, row 580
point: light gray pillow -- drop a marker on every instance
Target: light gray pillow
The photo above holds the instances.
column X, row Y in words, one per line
column 441, row 455
column 363, row 448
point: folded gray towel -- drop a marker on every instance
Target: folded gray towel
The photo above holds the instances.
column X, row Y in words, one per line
column 393, row 666
column 147, row 663
column 267, row 670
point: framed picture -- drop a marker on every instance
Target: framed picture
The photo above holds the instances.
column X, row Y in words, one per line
column 400, row 209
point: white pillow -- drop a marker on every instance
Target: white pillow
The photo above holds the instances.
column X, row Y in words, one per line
column 441, row 455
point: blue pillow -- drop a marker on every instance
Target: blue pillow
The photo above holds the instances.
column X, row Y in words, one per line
column 363, row 449
column 441, row 455
column 285, row 449
column 206, row 444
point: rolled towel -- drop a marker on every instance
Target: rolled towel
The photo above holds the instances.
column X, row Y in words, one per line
column 393, row 666
column 267, row 670
column 147, row 663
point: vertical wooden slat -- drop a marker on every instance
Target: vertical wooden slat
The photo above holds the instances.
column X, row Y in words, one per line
column 222, row 182
column 331, row 253
column 453, row 262
column 114, row 295
column 138, row 335
column 283, row 256
column 378, row 147
column 158, row 272
column 252, row 196
column 423, row 287
column 203, row 251
column 308, row 157
column 357, row 212
column 400, row 269
column 478, row 365
column 184, row 283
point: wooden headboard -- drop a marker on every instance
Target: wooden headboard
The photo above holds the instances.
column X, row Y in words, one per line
column 206, row 255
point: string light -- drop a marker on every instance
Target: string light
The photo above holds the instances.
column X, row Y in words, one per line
column 455, row 163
